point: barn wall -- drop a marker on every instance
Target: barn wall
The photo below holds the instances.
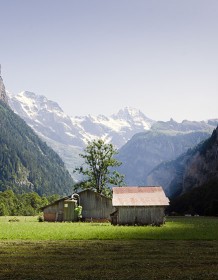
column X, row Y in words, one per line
column 140, row 215
column 60, row 211
column 54, row 212
column 95, row 206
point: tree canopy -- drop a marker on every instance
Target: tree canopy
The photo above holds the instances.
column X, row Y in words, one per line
column 26, row 204
column 98, row 168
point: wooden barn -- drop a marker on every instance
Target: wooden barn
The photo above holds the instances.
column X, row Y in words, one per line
column 94, row 207
column 139, row 205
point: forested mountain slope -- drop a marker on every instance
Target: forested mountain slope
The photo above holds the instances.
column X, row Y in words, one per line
column 26, row 162
column 192, row 179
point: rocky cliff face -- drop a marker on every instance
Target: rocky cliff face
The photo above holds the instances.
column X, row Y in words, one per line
column 3, row 95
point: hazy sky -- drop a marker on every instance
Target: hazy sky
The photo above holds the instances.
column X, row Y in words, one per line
column 98, row 56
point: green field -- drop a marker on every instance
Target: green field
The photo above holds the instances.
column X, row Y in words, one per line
column 184, row 248
column 183, row 228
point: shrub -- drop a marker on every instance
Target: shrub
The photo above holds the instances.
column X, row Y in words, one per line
column 41, row 218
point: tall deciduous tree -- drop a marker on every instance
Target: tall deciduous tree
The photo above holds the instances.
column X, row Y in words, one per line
column 99, row 167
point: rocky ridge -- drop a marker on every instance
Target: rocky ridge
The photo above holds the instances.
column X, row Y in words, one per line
column 3, row 95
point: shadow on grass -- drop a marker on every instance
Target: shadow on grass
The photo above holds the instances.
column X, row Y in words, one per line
column 124, row 259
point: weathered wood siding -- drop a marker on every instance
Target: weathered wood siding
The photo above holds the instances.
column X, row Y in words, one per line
column 60, row 211
column 69, row 213
column 95, row 206
column 54, row 212
column 130, row 215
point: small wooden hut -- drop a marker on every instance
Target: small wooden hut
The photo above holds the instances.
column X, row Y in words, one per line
column 139, row 205
column 61, row 210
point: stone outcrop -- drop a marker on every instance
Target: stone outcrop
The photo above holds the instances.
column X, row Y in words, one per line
column 3, row 95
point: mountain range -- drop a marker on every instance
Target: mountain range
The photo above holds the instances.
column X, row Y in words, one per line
column 69, row 135
column 146, row 150
column 143, row 143
column 48, row 120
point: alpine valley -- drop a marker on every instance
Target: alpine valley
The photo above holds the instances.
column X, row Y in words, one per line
column 143, row 143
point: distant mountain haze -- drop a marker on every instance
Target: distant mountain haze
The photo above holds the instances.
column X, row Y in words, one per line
column 146, row 150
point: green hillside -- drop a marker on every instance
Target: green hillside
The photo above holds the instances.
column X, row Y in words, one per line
column 26, row 162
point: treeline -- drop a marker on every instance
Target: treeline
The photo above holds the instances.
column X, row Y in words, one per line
column 27, row 204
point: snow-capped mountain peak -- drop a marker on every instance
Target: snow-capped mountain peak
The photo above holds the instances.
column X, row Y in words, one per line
column 134, row 117
column 127, row 112
column 32, row 103
column 49, row 121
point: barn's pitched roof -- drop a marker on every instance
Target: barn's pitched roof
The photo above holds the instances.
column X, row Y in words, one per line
column 139, row 196
column 55, row 202
column 93, row 191
column 70, row 197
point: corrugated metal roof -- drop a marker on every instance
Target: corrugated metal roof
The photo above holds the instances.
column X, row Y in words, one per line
column 139, row 196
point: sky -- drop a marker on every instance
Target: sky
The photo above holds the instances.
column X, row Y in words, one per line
column 99, row 56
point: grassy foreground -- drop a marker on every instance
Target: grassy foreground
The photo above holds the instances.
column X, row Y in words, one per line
column 123, row 259
column 184, row 248
column 184, row 228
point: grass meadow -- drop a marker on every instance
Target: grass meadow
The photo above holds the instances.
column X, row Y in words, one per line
column 184, row 248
